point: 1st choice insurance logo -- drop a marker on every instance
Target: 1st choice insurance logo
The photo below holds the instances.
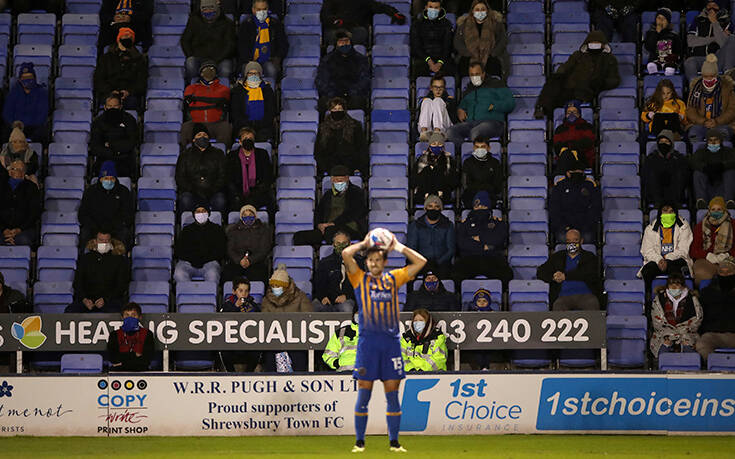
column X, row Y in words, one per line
column 637, row 404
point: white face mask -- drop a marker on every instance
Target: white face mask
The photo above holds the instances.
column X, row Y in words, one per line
column 594, row 45
column 103, row 247
column 476, row 80
column 261, row 15
column 480, row 15
column 356, row 318
column 480, row 153
column 201, row 218
column 253, row 81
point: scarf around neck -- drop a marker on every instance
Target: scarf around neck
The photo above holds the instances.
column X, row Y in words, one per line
column 710, row 101
column 247, row 163
column 262, row 48
column 723, row 234
column 255, row 105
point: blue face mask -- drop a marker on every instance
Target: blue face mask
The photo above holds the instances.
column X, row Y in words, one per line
column 432, row 13
column 419, row 325
column 340, row 187
column 344, row 49
column 253, row 81
column 130, row 325
column 247, row 220
column 209, row 15
column 108, row 184
column 571, row 117
column 675, row 292
column 28, row 83
column 431, row 285
column 14, row 182
column 716, row 214
column 437, row 150
column 277, row 291
column 713, row 147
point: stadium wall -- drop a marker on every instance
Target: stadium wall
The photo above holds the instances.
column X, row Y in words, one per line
column 323, row 404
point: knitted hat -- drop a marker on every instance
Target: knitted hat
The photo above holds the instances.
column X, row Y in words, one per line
column 204, row 204
column 17, row 133
column 208, row 5
column 667, row 134
column 108, row 169
column 574, row 103
column 207, row 63
column 246, row 208
column 252, row 65
column 199, row 127
column 481, row 198
column 482, row 293
column 125, row 32
column 714, row 132
column 665, row 12
column 433, row 198
column 339, row 171
column 280, row 277
column 717, row 200
column 342, row 33
column 437, row 137
column 710, row 65
column 26, row 67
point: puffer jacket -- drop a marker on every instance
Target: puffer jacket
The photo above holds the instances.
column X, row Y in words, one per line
column 696, row 113
column 215, row 40
column 651, row 244
column 595, row 72
column 477, row 100
column 201, row 172
column 255, row 239
column 206, row 103
column 291, row 300
column 432, row 39
column 121, row 70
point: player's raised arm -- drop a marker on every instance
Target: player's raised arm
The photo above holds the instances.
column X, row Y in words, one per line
column 348, row 255
column 416, row 260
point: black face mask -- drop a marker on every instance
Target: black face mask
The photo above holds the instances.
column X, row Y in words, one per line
column 248, row 144
column 114, row 115
column 727, row 283
column 480, row 214
column 577, row 177
column 664, row 148
column 338, row 115
column 594, row 51
column 127, row 43
column 433, row 214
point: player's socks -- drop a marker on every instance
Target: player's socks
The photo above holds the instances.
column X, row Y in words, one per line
column 361, row 414
column 393, row 415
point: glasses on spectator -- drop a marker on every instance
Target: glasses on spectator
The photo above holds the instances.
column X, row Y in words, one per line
column 437, row 87
column 11, row 168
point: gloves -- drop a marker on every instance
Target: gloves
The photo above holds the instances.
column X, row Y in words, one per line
column 398, row 18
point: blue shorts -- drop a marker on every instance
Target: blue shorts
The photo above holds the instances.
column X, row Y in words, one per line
column 378, row 358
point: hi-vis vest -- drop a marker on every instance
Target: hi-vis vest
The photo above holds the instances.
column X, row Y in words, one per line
column 341, row 349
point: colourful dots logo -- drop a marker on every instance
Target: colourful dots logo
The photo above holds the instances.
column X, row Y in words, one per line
column 29, row 332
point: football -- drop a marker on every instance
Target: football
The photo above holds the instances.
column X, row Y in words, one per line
column 380, row 238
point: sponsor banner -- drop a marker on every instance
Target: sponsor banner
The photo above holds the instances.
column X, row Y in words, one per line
column 229, row 331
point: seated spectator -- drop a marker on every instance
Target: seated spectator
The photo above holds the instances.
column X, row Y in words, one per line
column 482, row 240
column 254, row 103
column 248, row 246
column 711, row 103
column 199, row 248
column 431, row 41
column 575, row 202
column 206, row 103
column 479, row 359
column 240, row 361
column 246, row 6
column 663, row 45
column 483, row 107
column 713, row 240
column 122, row 70
column 19, row 148
column 666, row 172
column 569, row 159
column 107, row 204
column 20, row 210
column 573, row 277
column 356, row 16
column 135, row 14
column 664, row 100
column 438, row 110
column 588, row 71
column 342, row 207
column 27, row 102
column 423, row 345
column 665, row 246
column 675, row 315
column 481, row 172
column 343, row 73
column 610, row 16
column 200, row 173
column 102, row 276
column 262, row 39
column 114, row 138
column 284, row 296
column 209, row 35
column 341, row 350
column 575, row 133
column 432, row 235
column 718, row 321
column 340, row 140
column 481, row 38
column 131, row 347
column 332, row 289
column 432, row 296
column 11, row 300
column 249, row 174
column 713, row 168
column 709, row 33
column 436, row 172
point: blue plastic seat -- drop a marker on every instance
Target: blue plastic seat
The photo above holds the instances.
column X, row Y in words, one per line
column 525, row 259
column 525, row 294
column 622, row 227
column 289, row 222
column 153, row 297
column 196, row 293
column 528, row 227
column 527, row 192
column 679, row 361
column 298, row 260
column 63, row 193
column 721, row 361
column 59, row 228
column 625, row 297
column 52, row 297
column 156, row 193
column 388, row 193
column 621, row 262
column 152, row 263
column 626, row 341
column 154, row 228
column 56, row 264
column 621, row 192
column 81, row 363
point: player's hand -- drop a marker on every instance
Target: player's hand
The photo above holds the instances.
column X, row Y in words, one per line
column 394, row 244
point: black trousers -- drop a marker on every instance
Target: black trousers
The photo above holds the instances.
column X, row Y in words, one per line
column 651, row 270
column 254, row 272
column 554, row 95
column 315, row 237
column 490, row 266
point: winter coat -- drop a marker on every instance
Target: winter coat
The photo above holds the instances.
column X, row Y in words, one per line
column 22, row 206
column 118, row 70
column 669, row 106
column 117, row 128
column 206, row 103
column 355, row 209
column 663, row 47
column 255, row 239
column 263, row 177
column 140, row 22
column 248, row 33
column 702, row 159
column 230, row 305
column 201, row 243
column 31, row 109
column 102, row 276
column 431, row 179
column 352, row 13
column 123, row 348
column 331, row 281
column 291, row 300
column 435, row 242
column 13, row 301
column 587, row 271
column 579, row 136
column 575, row 204
column 492, row 232
column 201, row 172
column 651, row 244
column 704, row 37
column 682, row 331
column 440, row 300
column 696, row 249
column 656, row 165
column 205, row 40
column 432, row 39
column 239, row 114
column 717, row 306
column 28, row 156
column 484, row 175
column 340, row 143
column 477, row 100
column 697, row 113
column 343, row 74
column 588, row 71
column 427, row 352
column 114, row 209
column 490, row 42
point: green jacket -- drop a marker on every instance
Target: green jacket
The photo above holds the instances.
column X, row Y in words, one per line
column 492, row 92
column 429, row 354
column 341, row 349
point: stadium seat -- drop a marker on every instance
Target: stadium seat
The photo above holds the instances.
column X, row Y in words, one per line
column 679, row 361
column 56, row 264
column 153, row 297
column 52, row 297
column 626, row 341
column 624, row 297
column 81, row 363
column 721, row 360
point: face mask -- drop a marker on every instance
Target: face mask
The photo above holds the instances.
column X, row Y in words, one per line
column 431, row 285
column 339, row 187
column 253, row 81
column 247, row 220
column 419, row 325
column 356, row 318
column 476, row 80
column 480, row 15
column 437, row 150
column 261, row 15
column 277, row 291
column 716, row 214
column 28, row 83
column 571, row 117
column 126, row 43
column 577, row 177
column 709, row 84
column 108, row 184
column 664, row 148
column 594, row 46
column 208, row 74
column 14, row 182
column 344, row 49
column 713, row 147
column 130, row 325
column 338, row 248
column 668, row 220
column 433, row 214
column 479, row 153
column 675, row 292
column 103, row 247
column 209, row 15
column 339, row 115
column 432, row 13
column 248, row 144
column 572, row 247
column 201, row 142
column 201, row 217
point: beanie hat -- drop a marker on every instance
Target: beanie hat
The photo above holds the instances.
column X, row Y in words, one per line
column 252, row 65
column 710, row 65
column 204, row 204
column 343, row 33
column 437, row 137
column 665, row 12
column 208, row 5
column 714, row 132
column 125, row 32
column 108, row 169
column 199, row 127
column 339, row 171
column 482, row 293
column 433, row 198
column 207, row 63
column 17, row 133
column 280, row 277
column 26, row 67
column 482, row 198
column 667, row 134
column 124, row 7
column 574, row 103
column 247, row 207
column 717, row 200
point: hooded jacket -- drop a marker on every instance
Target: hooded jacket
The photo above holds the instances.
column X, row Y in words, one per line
column 440, row 300
column 353, row 13
column 291, row 300
column 239, row 113
column 118, row 69
column 343, row 74
column 651, row 244
column 663, row 47
column 432, row 39
column 102, row 276
column 340, row 143
column 209, row 40
column 595, row 72
column 201, row 172
column 707, row 38
column 682, row 332
column 492, row 232
column 477, row 100
column 722, row 159
column 255, row 239
column 477, row 49
column 587, row 271
column 697, row 113
column 22, row 206
column 117, row 128
column 248, row 32
column 575, row 204
column 435, row 242
column 112, row 209
column 431, row 179
column 31, row 109
column 201, row 243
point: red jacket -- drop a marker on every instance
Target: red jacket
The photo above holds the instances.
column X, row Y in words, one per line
column 696, row 251
column 579, row 136
column 206, row 103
